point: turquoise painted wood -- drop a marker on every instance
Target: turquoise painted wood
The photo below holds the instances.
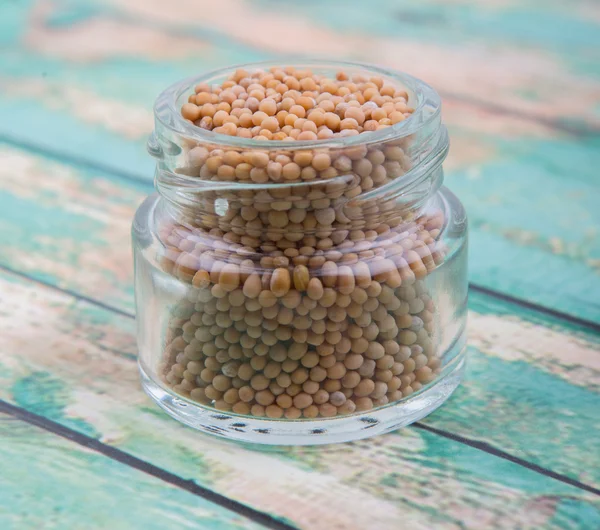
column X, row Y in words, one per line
column 67, row 227
column 80, row 244
column 60, row 223
column 520, row 82
column 49, row 482
column 514, row 133
column 86, row 381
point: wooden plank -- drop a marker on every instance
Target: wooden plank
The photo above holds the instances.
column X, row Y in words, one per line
column 49, row 482
column 565, row 515
column 545, row 50
column 532, row 389
column 496, row 174
column 57, row 222
column 96, row 270
column 531, row 196
column 84, row 107
column 87, row 81
column 84, row 377
column 163, row 45
column 532, row 24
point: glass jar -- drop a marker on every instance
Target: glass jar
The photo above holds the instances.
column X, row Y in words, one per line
column 300, row 292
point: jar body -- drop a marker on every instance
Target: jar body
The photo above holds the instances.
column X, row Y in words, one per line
column 301, row 293
column 165, row 304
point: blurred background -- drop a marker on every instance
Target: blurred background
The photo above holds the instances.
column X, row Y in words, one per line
column 520, row 82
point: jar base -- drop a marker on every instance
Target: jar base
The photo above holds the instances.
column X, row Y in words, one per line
column 318, row 431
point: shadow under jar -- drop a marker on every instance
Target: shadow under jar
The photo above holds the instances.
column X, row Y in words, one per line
column 301, row 292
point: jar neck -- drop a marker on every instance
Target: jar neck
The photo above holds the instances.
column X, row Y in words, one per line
column 409, row 182
column 366, row 179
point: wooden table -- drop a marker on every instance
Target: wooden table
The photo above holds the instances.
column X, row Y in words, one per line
column 517, row 446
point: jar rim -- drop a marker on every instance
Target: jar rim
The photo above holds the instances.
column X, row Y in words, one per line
column 426, row 110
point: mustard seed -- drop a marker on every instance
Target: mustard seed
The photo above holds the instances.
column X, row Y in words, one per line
column 364, row 388
column 280, row 282
column 351, row 379
column 264, row 397
column 327, row 410
column 315, row 289
column 302, row 400
column 190, row 111
column 273, row 411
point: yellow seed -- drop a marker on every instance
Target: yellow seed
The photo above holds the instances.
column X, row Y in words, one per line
column 309, row 126
column 306, row 102
column 267, row 299
column 264, row 397
column 355, row 113
column 291, row 171
column 268, row 106
column 219, row 117
column 273, row 411
column 271, row 124
column 321, row 161
column 311, row 411
column 280, row 282
column 259, row 159
column 201, row 280
column 364, row 388
column 213, row 163
column 301, row 277
column 396, row 117
column 298, row 111
column 241, row 408
column 329, row 274
column 325, row 216
column 190, row 111
column 306, row 135
column 303, row 158
column 229, row 278
column 315, row 289
column 316, row 117
column 278, row 219
column 257, row 410
column 348, row 123
column 363, row 403
column 252, row 286
column 332, row 121
column 221, row 383
column 302, row 400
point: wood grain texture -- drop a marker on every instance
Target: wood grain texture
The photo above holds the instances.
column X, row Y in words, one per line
column 95, row 262
column 51, row 483
column 75, row 366
column 515, row 232
column 520, row 82
column 514, row 134
column 444, row 45
column 60, row 224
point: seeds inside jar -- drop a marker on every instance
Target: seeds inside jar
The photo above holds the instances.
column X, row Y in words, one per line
column 307, row 295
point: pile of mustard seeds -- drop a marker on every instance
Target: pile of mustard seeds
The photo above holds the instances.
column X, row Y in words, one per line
column 305, row 298
column 290, row 104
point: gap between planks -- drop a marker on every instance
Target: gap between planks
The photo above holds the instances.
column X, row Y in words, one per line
column 488, row 448
column 588, row 325
column 141, row 465
column 124, row 457
column 145, row 183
